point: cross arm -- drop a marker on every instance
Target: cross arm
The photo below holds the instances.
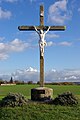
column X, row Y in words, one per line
column 31, row 28
column 57, row 28
column 26, row 28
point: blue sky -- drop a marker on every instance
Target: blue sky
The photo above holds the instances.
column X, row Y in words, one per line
column 19, row 50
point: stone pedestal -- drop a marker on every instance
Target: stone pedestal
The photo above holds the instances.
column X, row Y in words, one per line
column 41, row 94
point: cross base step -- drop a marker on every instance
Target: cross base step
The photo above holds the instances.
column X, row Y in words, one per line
column 41, row 94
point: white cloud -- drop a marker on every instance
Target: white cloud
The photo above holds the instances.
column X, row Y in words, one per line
column 63, row 76
column 3, row 56
column 50, row 43
column 59, row 13
column 65, row 43
column 17, row 45
column 29, row 74
column 14, row 46
column 5, row 14
column 30, row 69
column 32, row 74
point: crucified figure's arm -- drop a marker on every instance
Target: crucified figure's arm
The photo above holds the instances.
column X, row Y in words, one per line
column 36, row 30
column 47, row 29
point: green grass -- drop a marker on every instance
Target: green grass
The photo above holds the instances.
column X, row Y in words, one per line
column 23, row 89
column 26, row 89
column 35, row 111
column 39, row 111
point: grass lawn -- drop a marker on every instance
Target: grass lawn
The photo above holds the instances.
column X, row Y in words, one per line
column 39, row 111
column 26, row 89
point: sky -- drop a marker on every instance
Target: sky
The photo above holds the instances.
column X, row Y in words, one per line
column 19, row 50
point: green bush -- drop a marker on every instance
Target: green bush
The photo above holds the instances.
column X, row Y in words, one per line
column 65, row 99
column 13, row 99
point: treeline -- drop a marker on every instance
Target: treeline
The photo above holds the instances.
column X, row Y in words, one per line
column 61, row 83
column 7, row 82
column 17, row 82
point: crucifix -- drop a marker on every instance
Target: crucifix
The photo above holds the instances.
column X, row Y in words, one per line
column 41, row 30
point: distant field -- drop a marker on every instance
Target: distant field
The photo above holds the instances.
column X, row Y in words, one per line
column 26, row 89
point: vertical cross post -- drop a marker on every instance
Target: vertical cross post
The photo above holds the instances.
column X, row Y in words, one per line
column 41, row 57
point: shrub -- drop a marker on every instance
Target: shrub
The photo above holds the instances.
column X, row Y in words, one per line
column 65, row 99
column 30, row 82
column 13, row 99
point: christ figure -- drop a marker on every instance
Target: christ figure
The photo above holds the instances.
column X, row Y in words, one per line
column 42, row 41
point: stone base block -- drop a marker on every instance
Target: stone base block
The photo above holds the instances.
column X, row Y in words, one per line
column 41, row 94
